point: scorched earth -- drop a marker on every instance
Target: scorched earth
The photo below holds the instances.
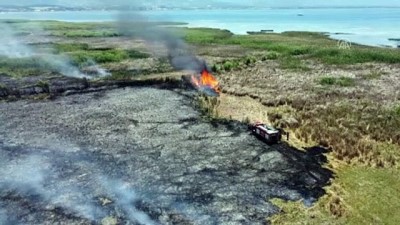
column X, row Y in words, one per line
column 142, row 156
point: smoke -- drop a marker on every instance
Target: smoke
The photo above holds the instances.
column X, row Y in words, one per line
column 32, row 176
column 13, row 48
column 23, row 174
column 63, row 65
column 3, row 217
column 125, row 196
column 10, row 44
column 179, row 53
column 44, row 180
column 97, row 70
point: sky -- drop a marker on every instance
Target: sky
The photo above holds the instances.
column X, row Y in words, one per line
column 258, row 3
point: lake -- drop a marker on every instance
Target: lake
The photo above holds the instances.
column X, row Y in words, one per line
column 370, row 26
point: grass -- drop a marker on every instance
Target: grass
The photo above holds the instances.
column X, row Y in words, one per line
column 86, row 30
column 362, row 200
column 44, row 85
column 29, row 66
column 77, row 54
column 307, row 44
column 203, row 35
column 86, row 33
column 357, row 55
column 292, row 63
column 40, row 65
column 81, row 58
column 362, row 193
column 338, row 81
column 70, row 47
column 272, row 55
column 234, row 64
column 364, row 133
column 373, row 75
column 81, row 53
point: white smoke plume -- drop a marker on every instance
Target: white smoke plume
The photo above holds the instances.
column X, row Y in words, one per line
column 33, row 175
column 97, row 70
column 3, row 217
column 12, row 47
column 125, row 197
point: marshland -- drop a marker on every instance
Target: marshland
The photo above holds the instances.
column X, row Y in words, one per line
column 89, row 88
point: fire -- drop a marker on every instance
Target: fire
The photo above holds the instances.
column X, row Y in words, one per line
column 206, row 83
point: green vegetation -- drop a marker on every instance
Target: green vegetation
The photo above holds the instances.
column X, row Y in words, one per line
column 86, row 33
column 30, row 66
column 272, row 55
column 44, row 85
column 368, row 133
column 70, row 30
column 234, row 64
column 373, row 75
column 70, row 47
column 3, row 87
column 304, row 44
column 307, row 44
column 339, row 81
column 209, row 106
column 203, row 35
column 85, row 30
column 363, row 200
column 357, row 55
column 82, row 53
column 81, row 58
column 293, row 63
column 230, row 65
column 78, row 54
column 363, row 135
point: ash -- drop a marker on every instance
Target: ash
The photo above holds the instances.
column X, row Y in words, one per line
column 142, row 156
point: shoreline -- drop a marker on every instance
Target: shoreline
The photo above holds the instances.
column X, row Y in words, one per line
column 374, row 31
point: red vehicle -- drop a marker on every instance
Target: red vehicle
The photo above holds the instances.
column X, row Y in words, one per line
column 267, row 133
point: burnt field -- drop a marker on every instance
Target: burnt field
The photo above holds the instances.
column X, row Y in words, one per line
column 78, row 148
column 142, row 156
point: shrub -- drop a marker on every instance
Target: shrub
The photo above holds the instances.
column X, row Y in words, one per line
column 293, row 63
column 299, row 51
column 80, row 58
column 373, row 75
column 230, row 65
column 340, row 81
column 272, row 55
column 345, row 81
column 250, row 60
column 44, row 85
column 327, row 81
column 133, row 54
column 70, row 47
column 396, row 111
column 216, row 68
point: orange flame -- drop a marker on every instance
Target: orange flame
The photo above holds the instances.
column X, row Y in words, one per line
column 206, row 80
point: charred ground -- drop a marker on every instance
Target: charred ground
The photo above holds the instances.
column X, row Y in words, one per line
column 181, row 168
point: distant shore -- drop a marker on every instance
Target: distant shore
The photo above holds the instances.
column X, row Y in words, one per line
column 351, row 24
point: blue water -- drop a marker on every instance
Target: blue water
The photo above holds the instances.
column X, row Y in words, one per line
column 370, row 26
